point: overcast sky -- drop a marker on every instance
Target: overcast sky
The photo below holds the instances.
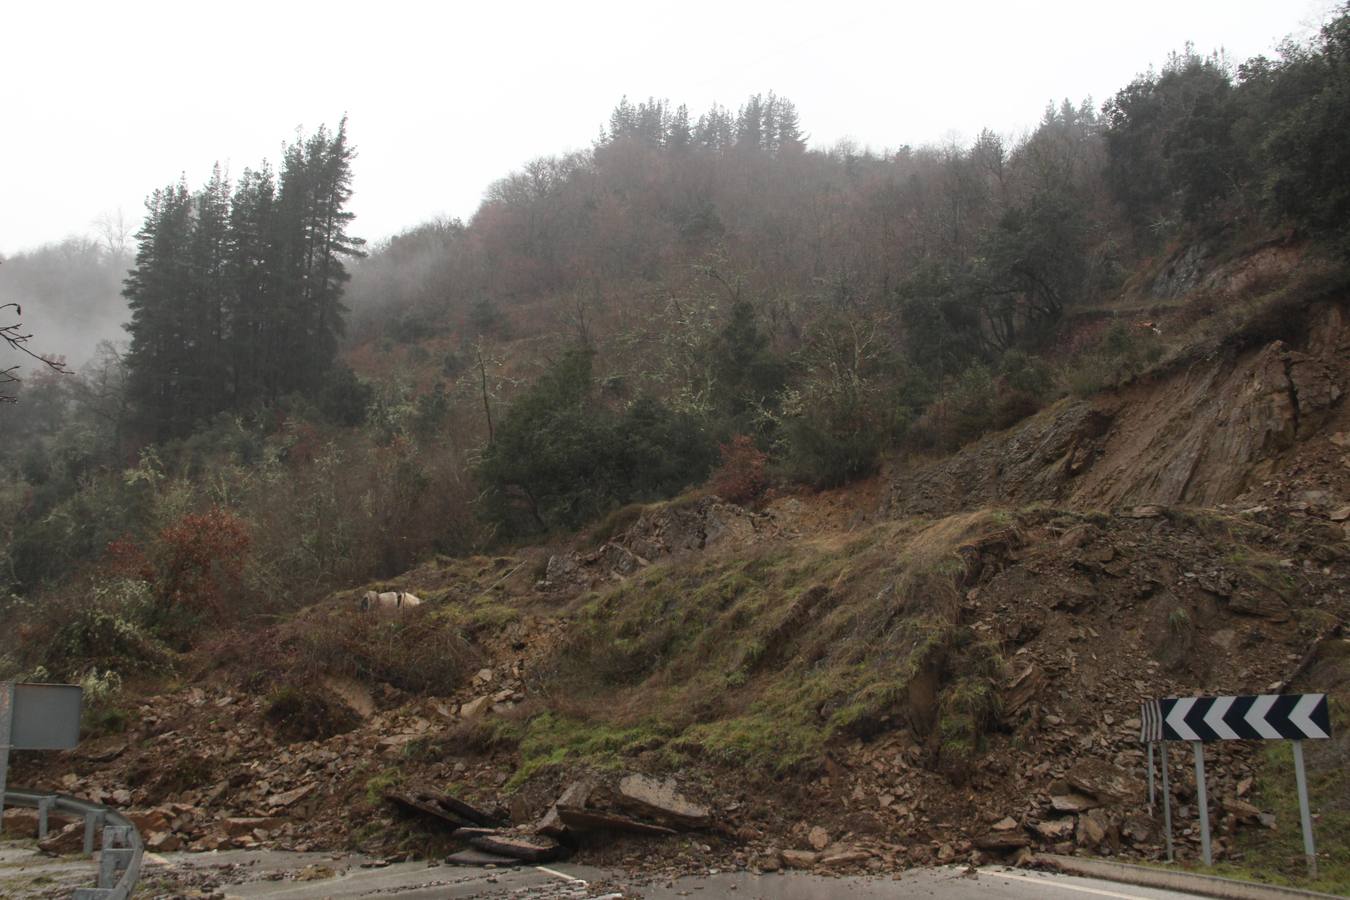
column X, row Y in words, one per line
column 102, row 102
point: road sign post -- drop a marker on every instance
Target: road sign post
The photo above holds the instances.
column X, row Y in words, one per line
column 1150, row 778
column 1305, row 818
column 6, row 737
column 1167, row 804
column 1290, row 717
column 1202, row 797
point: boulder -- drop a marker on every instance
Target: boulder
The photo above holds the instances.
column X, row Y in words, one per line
column 799, row 859
column 596, row 820
column 1072, row 802
column 1056, row 829
column 69, row 839
column 534, row 848
column 287, row 799
column 573, row 796
column 475, row 857
column 163, row 842
column 1094, row 828
column 468, row 811
column 1104, row 781
column 1002, row 840
column 843, row 856
column 661, row 799
column 242, row 826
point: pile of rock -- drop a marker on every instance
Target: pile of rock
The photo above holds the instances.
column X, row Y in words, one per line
column 636, row 805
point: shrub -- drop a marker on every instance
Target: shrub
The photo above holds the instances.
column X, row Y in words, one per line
column 304, row 713
column 105, row 629
column 201, row 560
column 1121, row 353
column 343, row 398
column 826, row 445
column 741, row 477
column 414, row 652
column 560, row 457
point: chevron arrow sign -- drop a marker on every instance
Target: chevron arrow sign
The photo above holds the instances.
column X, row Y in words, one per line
column 1289, row 717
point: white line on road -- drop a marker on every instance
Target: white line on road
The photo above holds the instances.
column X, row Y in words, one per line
column 1053, row 882
column 563, row 875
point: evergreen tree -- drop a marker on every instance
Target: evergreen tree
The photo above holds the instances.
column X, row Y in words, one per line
column 206, row 382
column 789, row 138
column 679, row 134
column 237, row 298
column 160, row 355
column 750, row 124
column 251, row 275
column 714, row 129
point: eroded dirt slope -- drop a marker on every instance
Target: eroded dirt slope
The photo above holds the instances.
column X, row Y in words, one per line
column 1211, row 429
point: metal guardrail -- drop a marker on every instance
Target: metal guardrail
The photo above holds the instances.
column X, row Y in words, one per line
column 121, row 847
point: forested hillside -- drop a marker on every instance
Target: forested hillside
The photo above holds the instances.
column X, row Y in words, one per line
column 868, row 491
column 695, row 295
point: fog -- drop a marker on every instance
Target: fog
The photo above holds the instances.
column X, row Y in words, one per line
column 105, row 102
column 70, row 296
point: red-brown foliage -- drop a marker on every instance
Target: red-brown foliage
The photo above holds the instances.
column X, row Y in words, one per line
column 740, row 478
column 124, row 558
column 202, row 558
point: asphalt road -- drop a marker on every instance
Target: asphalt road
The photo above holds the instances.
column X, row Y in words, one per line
column 311, row 876
column 277, row 875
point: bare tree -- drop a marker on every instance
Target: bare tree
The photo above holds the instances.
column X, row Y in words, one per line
column 16, row 338
column 115, row 232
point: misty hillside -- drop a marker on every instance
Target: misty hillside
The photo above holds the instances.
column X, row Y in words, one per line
column 70, row 294
column 865, row 492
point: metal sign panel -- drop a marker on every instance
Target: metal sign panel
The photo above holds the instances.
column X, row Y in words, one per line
column 46, row 716
column 1271, row 717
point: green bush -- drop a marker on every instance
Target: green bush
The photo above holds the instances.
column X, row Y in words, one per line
column 561, row 458
column 1121, row 353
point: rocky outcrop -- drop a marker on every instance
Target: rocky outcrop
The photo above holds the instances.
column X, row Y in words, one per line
column 1199, row 435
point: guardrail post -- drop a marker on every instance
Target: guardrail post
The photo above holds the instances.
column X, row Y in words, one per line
column 111, row 863
column 93, row 824
column 44, row 808
column 116, row 836
column 93, row 894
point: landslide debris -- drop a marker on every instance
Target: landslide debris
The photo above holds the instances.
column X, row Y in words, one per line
column 865, row 696
column 1226, row 427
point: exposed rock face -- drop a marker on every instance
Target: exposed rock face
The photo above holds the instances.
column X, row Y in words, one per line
column 663, row 530
column 1197, row 436
column 662, row 800
column 671, row 529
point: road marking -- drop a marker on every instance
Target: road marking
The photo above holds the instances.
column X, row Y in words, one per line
column 563, row 875
column 1069, row 887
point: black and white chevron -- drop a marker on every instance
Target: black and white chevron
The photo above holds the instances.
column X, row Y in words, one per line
column 1292, row 717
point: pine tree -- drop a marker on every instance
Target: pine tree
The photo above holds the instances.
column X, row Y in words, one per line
column 159, row 356
column 678, row 134
column 714, row 130
column 312, row 241
column 750, row 124
column 206, row 383
column 622, row 121
column 251, row 274
column 790, row 138
column 237, row 299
